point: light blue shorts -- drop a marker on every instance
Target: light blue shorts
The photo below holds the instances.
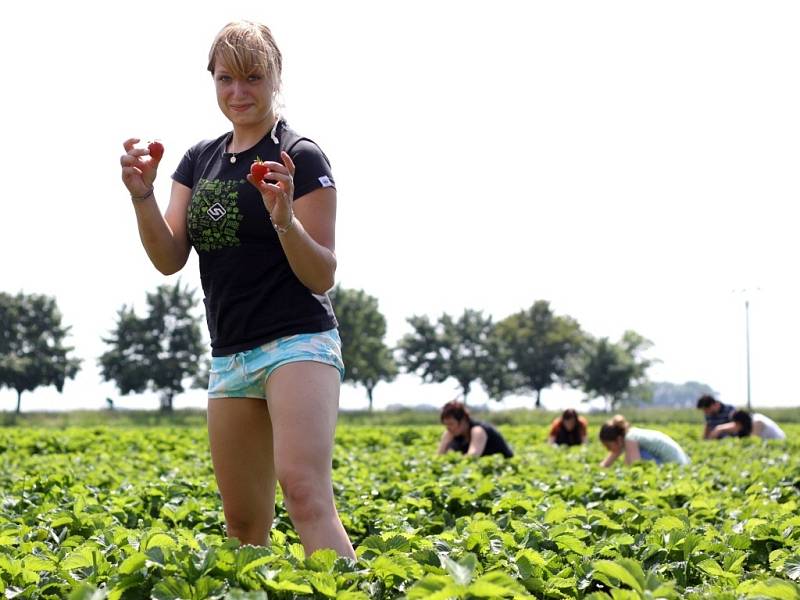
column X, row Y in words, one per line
column 245, row 374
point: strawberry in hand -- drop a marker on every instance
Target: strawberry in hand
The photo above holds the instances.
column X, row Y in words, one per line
column 259, row 170
column 156, row 150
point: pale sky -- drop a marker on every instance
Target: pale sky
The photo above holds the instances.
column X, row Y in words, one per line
column 634, row 163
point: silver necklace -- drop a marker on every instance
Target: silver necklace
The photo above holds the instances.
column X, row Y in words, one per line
column 271, row 133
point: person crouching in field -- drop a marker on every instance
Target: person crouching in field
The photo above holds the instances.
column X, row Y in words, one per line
column 469, row 437
column 638, row 444
column 714, row 412
column 745, row 424
column 569, row 429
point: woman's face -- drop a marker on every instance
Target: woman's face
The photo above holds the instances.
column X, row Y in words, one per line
column 614, row 446
column 569, row 424
column 244, row 101
column 454, row 426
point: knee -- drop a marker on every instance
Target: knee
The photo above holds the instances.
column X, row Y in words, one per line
column 306, row 500
column 249, row 526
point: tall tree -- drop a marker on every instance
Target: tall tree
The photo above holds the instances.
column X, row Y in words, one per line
column 362, row 327
column 161, row 351
column 32, row 350
column 458, row 348
column 536, row 346
column 616, row 372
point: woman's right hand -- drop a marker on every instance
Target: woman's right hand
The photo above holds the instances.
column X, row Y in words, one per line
column 138, row 168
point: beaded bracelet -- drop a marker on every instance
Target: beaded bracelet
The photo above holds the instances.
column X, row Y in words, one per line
column 282, row 230
column 144, row 196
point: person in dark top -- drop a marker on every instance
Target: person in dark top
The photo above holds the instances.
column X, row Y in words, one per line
column 569, row 429
column 473, row 438
column 266, row 254
column 715, row 413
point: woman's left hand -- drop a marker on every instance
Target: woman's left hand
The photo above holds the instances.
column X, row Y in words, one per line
column 277, row 190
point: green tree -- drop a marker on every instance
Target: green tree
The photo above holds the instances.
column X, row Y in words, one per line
column 616, row 372
column 160, row 352
column 32, row 350
column 362, row 327
column 458, row 348
column 535, row 347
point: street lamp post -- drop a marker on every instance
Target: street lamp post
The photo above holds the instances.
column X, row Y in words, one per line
column 746, row 292
column 747, row 347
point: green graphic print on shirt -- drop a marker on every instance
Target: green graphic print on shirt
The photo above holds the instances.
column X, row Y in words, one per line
column 214, row 214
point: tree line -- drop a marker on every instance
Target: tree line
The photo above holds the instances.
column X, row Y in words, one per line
column 163, row 350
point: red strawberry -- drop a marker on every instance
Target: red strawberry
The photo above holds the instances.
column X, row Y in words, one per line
column 156, row 150
column 259, row 170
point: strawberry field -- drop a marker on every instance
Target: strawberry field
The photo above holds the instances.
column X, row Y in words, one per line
column 133, row 512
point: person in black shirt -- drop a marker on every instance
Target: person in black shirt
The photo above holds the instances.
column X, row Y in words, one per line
column 266, row 253
column 570, row 429
column 473, row 438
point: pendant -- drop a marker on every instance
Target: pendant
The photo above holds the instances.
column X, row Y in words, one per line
column 233, row 159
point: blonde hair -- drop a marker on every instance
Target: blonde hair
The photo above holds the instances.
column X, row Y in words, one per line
column 247, row 48
column 614, row 429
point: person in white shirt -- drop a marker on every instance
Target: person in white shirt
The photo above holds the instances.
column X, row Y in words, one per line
column 635, row 443
column 744, row 424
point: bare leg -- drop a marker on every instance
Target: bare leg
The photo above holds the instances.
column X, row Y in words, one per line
column 303, row 400
column 240, row 436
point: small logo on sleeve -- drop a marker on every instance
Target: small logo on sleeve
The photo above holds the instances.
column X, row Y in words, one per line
column 326, row 181
column 216, row 212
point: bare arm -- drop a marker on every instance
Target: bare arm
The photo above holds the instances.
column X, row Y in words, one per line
column 720, row 430
column 632, row 453
column 552, row 440
column 610, row 458
column 477, row 441
column 309, row 244
column 444, row 443
column 707, row 432
column 309, row 221
column 758, row 428
column 164, row 237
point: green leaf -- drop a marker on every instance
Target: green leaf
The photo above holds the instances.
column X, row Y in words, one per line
column 38, row 563
column 618, row 572
column 435, row 587
column 462, row 571
column 172, row 588
column 573, row 544
column 324, row 583
column 668, row 523
column 527, row 560
column 157, row 539
column 133, row 563
column 297, row 551
column 495, row 584
column 712, row 567
column 322, row 560
column 287, row 585
column 87, row 592
column 243, row 595
column 79, row 559
column 771, row 588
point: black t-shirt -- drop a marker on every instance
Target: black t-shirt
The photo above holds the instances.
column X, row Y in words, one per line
column 495, row 443
column 252, row 296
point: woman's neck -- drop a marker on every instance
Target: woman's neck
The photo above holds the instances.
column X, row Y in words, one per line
column 245, row 137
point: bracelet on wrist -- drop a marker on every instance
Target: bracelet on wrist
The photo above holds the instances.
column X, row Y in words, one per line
column 144, row 196
column 281, row 230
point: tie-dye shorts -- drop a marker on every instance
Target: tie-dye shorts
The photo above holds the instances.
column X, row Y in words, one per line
column 245, row 374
